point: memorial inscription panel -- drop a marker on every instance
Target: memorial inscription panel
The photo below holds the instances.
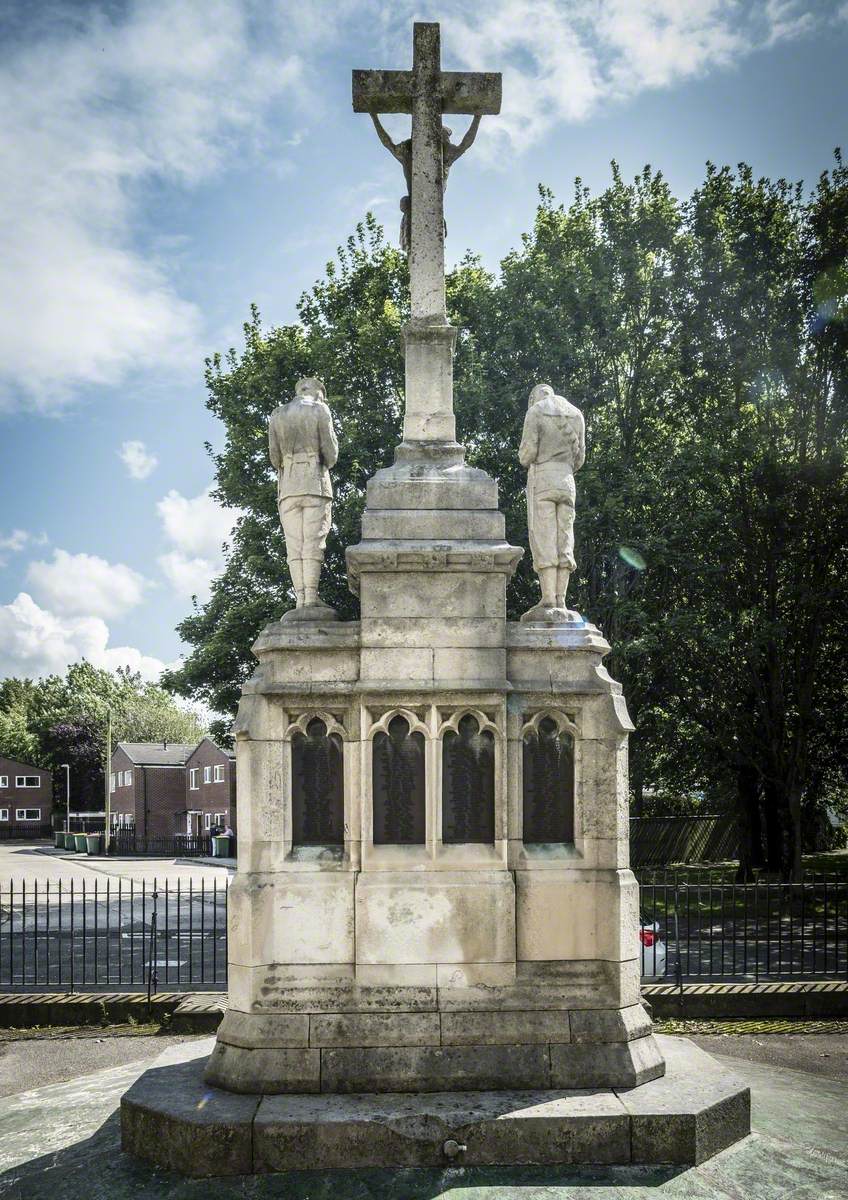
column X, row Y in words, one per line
column 468, row 783
column 399, row 805
column 548, row 761
column 317, row 786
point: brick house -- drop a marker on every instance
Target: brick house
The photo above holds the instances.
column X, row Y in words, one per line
column 26, row 797
column 210, row 785
column 161, row 789
column 147, row 787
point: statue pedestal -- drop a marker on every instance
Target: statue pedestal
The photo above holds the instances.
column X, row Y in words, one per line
column 433, row 890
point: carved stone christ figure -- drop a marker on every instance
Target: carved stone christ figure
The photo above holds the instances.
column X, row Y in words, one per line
column 553, row 448
column 303, row 447
column 402, row 151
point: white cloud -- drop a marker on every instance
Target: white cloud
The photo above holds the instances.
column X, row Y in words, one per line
column 137, row 459
column 14, row 541
column 563, row 61
column 35, row 642
column 106, row 102
column 196, row 527
column 85, row 585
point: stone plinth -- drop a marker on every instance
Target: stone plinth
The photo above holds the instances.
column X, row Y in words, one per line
column 372, row 966
column 173, row 1118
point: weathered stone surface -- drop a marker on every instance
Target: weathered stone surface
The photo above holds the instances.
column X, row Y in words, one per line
column 494, row 1128
column 504, row 1028
column 269, row 1070
column 610, row 1025
column 433, row 1069
column 172, row 1117
column 256, row 1032
column 612, row 1064
column 374, row 1029
column 696, row 1110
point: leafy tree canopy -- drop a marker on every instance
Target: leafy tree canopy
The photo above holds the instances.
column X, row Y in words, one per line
column 63, row 719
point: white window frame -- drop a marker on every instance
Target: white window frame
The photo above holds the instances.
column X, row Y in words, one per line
column 21, row 781
column 127, row 778
column 207, row 820
column 112, row 782
column 207, row 774
column 4, row 780
column 120, row 779
column 218, row 774
column 21, row 814
column 193, row 784
column 220, row 818
column 4, row 814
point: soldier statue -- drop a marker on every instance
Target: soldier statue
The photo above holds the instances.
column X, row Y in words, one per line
column 303, row 447
column 553, row 448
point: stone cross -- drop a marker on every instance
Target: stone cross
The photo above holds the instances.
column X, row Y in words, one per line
column 427, row 91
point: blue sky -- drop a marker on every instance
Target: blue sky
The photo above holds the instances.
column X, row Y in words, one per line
column 167, row 162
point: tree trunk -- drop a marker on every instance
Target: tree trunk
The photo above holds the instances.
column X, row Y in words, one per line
column 750, row 826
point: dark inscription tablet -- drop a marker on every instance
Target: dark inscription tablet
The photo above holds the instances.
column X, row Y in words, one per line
column 398, row 786
column 317, row 787
column 468, row 784
column 548, row 784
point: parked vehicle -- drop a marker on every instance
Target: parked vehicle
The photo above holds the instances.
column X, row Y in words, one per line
column 654, row 954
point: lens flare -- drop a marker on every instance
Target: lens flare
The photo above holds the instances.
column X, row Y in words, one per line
column 632, row 557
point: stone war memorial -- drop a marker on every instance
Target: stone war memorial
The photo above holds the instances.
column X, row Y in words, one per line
column 433, row 942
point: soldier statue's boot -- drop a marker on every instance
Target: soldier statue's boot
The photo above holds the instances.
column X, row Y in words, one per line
column 548, row 580
column 311, row 577
column 563, row 576
column 296, row 572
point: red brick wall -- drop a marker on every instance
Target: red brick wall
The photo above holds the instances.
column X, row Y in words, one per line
column 211, row 797
column 13, row 797
column 123, row 799
column 162, row 801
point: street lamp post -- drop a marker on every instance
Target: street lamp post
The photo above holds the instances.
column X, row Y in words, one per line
column 67, row 770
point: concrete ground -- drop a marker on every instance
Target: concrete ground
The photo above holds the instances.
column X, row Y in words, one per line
column 38, row 862
column 62, row 1140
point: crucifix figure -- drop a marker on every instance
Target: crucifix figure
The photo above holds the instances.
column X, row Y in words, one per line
column 427, row 92
column 402, row 151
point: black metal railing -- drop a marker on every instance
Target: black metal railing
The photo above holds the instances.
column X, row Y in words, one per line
column 707, row 927
column 124, row 935
column 28, row 831
column 113, row 935
column 179, row 845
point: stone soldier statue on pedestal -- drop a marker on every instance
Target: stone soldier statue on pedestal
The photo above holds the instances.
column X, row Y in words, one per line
column 303, row 447
column 553, row 448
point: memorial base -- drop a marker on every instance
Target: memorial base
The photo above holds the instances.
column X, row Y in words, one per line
column 171, row 1117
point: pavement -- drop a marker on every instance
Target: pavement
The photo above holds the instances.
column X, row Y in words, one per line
column 40, row 862
column 62, row 1141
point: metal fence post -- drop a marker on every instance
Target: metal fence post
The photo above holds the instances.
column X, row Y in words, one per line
column 152, row 979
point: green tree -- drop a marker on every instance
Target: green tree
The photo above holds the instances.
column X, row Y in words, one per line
column 62, row 719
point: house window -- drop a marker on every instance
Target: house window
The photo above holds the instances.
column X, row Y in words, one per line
column 207, row 820
column 4, row 780
column 207, row 774
column 27, row 781
column 112, row 782
column 27, row 814
column 127, row 778
column 4, row 814
column 192, row 779
column 120, row 779
column 219, row 774
column 220, row 818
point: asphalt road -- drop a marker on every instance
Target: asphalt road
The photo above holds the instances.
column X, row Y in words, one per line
column 22, row 862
